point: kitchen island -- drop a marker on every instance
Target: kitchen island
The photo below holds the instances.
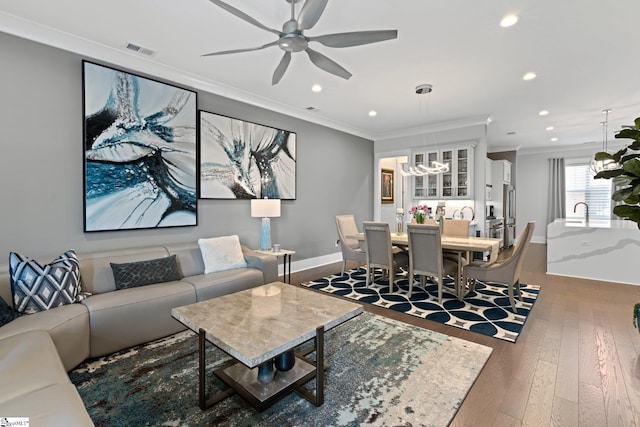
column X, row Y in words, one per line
column 595, row 249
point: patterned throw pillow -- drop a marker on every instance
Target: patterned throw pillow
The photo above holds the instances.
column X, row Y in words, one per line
column 134, row 274
column 38, row 287
column 7, row 314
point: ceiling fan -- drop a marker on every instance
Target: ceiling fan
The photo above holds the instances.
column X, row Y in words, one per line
column 292, row 39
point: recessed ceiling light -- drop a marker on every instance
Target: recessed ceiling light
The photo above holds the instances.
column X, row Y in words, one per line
column 549, row 128
column 554, row 139
column 373, row 113
column 529, row 76
column 543, row 113
column 509, row 20
column 316, row 88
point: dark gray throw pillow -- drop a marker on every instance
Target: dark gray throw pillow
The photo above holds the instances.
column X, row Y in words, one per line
column 134, row 274
column 7, row 314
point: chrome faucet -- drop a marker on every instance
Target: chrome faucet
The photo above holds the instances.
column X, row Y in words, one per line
column 473, row 214
column 586, row 210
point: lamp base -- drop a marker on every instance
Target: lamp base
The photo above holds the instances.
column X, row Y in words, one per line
column 265, row 234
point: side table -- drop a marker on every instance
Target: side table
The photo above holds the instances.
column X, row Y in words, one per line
column 286, row 255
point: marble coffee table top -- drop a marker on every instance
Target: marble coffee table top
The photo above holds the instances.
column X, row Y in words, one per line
column 259, row 323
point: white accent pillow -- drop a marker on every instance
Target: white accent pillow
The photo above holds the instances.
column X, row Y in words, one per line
column 221, row 253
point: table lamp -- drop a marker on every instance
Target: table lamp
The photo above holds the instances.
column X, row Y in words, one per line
column 265, row 209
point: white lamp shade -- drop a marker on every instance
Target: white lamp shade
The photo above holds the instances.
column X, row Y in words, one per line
column 265, row 208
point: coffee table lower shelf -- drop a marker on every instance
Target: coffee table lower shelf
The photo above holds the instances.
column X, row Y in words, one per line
column 244, row 380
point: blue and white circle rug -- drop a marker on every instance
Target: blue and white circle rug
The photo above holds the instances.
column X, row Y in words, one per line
column 486, row 310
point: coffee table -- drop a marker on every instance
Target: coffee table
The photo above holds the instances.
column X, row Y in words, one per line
column 257, row 326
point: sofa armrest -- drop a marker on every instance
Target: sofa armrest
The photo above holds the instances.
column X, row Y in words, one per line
column 267, row 263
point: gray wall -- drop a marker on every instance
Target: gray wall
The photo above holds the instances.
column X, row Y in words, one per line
column 41, row 168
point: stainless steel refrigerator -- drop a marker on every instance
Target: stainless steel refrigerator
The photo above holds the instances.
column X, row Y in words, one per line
column 509, row 210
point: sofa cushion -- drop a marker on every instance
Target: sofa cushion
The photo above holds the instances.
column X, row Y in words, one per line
column 221, row 253
column 7, row 314
column 38, row 287
column 213, row 285
column 58, row 405
column 30, row 362
column 67, row 325
column 140, row 273
column 134, row 316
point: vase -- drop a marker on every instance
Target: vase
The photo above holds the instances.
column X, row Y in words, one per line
column 420, row 218
column 266, row 372
column 285, row 361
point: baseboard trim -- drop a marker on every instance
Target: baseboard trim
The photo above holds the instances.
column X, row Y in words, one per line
column 308, row 263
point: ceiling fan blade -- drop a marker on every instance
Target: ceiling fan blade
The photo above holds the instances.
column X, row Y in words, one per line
column 327, row 64
column 354, row 38
column 243, row 16
column 281, row 68
column 249, row 49
column 310, row 13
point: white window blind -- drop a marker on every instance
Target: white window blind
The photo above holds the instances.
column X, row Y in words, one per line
column 582, row 187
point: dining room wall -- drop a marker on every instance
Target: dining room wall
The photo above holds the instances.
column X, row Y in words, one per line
column 41, row 168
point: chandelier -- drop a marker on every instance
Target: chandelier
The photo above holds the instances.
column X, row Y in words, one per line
column 435, row 167
column 598, row 166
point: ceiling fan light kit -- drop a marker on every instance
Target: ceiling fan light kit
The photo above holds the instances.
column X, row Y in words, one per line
column 292, row 39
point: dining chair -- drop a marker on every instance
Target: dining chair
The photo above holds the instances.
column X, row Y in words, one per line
column 457, row 228
column 506, row 271
column 426, row 257
column 381, row 253
column 351, row 250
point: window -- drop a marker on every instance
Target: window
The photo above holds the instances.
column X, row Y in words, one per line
column 582, row 187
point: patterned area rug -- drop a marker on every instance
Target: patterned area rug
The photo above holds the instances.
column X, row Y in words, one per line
column 379, row 372
column 486, row 311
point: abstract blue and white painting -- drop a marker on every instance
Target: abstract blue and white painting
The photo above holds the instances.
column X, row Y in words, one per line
column 243, row 160
column 139, row 152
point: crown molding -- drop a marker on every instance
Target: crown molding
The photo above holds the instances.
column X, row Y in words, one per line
column 33, row 31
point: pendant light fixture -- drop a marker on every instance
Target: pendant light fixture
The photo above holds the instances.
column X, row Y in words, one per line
column 598, row 166
column 435, row 167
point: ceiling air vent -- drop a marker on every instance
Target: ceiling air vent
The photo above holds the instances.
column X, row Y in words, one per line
column 139, row 49
column 312, row 109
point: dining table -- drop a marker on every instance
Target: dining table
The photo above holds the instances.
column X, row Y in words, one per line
column 454, row 244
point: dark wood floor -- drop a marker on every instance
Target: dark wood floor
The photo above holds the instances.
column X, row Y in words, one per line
column 576, row 362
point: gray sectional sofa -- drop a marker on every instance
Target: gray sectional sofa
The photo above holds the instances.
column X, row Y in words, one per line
column 37, row 350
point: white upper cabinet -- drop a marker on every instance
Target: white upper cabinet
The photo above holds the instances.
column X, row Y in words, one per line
column 457, row 183
column 501, row 170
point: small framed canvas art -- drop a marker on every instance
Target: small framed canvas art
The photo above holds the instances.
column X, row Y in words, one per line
column 387, row 185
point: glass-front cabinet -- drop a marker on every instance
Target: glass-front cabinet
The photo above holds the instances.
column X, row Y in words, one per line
column 457, row 183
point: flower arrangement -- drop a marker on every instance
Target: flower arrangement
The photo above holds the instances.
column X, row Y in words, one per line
column 420, row 212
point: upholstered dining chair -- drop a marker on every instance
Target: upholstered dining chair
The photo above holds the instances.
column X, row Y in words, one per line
column 380, row 252
column 351, row 250
column 507, row 270
column 426, row 257
column 456, row 228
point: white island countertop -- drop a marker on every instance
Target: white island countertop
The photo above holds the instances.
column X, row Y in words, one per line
column 597, row 223
column 597, row 249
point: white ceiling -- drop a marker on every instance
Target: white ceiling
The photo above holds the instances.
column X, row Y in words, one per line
column 584, row 53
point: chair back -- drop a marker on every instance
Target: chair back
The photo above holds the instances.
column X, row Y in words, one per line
column 346, row 225
column 425, row 249
column 521, row 247
column 456, row 227
column 377, row 238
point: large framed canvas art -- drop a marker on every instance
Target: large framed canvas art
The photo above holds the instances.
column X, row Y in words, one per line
column 140, row 152
column 243, row 160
